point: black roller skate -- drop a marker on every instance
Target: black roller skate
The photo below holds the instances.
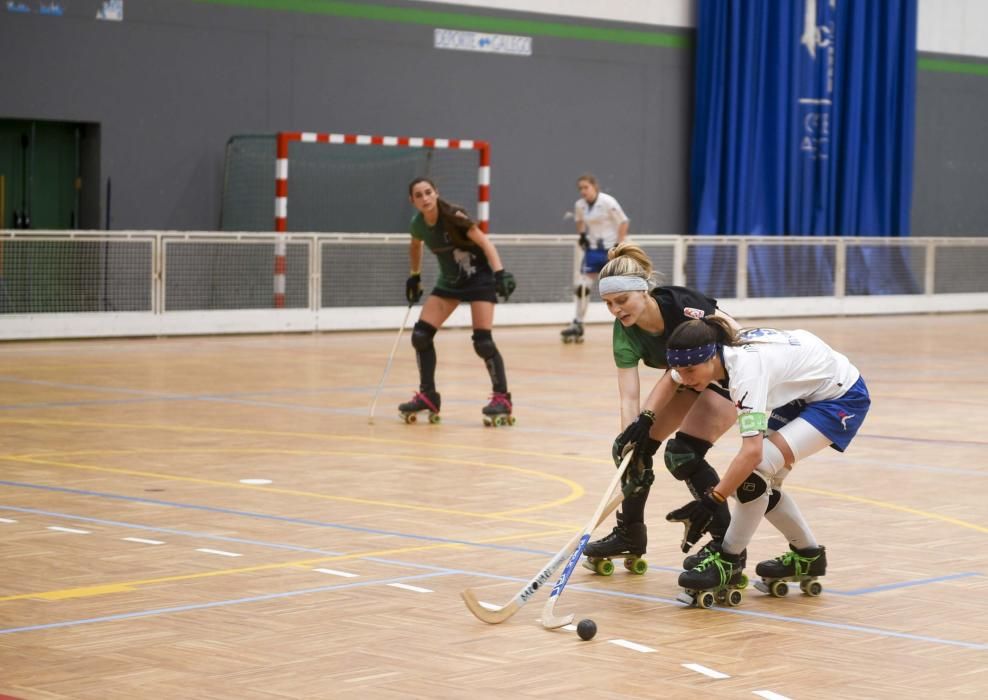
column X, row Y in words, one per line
column 626, row 541
column 802, row 565
column 498, row 411
column 693, row 560
column 422, row 401
column 718, row 578
column 573, row 333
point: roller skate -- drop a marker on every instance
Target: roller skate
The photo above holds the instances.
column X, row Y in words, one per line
column 626, row 541
column 694, row 560
column 802, row 565
column 422, row 401
column 498, row 411
column 717, row 578
column 573, row 333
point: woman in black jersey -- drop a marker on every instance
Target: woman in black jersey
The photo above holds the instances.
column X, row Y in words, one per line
column 645, row 316
column 470, row 270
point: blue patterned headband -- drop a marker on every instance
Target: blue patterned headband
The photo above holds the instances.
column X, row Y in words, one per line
column 687, row 357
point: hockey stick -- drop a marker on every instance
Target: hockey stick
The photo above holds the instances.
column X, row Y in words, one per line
column 549, row 620
column 387, row 367
column 496, row 616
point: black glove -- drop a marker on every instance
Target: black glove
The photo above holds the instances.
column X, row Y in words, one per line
column 584, row 241
column 634, row 436
column 413, row 288
column 504, row 283
column 696, row 517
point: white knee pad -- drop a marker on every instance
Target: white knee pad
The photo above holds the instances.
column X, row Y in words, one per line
column 772, row 468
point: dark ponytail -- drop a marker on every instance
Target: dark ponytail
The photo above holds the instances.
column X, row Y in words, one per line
column 702, row 331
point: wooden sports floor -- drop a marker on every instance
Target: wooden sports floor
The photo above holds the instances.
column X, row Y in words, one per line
column 213, row 517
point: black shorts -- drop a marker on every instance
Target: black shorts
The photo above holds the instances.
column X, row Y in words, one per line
column 480, row 288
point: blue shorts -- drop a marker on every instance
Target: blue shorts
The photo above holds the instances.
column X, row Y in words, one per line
column 838, row 419
column 593, row 260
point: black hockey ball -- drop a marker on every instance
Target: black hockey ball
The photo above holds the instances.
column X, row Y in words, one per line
column 586, row 629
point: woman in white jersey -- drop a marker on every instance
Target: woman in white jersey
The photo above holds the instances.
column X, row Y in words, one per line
column 794, row 396
column 602, row 224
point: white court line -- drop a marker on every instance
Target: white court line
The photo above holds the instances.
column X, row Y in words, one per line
column 220, row 552
column 141, row 540
column 769, row 695
column 406, row 587
column 631, row 645
column 334, row 572
column 489, row 606
column 7, row 520
column 68, row 529
column 705, row 671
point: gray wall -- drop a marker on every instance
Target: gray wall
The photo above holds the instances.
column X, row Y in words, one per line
column 177, row 78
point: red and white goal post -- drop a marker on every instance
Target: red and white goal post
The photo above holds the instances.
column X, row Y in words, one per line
column 284, row 138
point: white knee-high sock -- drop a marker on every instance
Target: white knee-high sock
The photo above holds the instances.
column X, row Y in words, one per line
column 745, row 518
column 788, row 520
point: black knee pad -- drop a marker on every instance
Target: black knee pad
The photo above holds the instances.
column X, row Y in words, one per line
column 751, row 488
column 483, row 344
column 774, row 499
column 581, row 291
column 422, row 334
column 684, row 455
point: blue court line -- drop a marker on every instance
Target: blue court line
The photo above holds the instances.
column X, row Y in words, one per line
column 250, row 514
column 904, row 584
column 214, row 604
column 265, row 516
column 447, row 572
column 784, row 618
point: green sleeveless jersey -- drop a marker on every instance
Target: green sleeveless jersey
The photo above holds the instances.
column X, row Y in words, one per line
column 677, row 305
column 458, row 266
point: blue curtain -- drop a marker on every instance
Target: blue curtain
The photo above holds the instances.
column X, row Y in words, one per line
column 803, row 126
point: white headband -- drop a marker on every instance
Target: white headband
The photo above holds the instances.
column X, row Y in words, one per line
column 621, row 283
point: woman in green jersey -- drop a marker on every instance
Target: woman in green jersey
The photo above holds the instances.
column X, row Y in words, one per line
column 645, row 316
column 470, row 270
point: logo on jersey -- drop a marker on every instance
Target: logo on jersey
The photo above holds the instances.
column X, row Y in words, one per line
column 844, row 415
column 694, row 313
column 739, row 404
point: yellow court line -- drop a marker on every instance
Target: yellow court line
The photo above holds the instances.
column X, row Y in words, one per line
column 576, row 491
column 889, row 506
column 284, row 433
column 125, row 586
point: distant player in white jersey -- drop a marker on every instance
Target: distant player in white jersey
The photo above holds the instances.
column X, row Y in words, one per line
column 794, row 396
column 601, row 224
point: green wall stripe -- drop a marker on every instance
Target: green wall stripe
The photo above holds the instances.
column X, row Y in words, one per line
column 941, row 66
column 455, row 20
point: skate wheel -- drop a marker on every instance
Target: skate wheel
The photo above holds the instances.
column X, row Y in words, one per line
column 579, row 340
column 512, row 420
column 705, row 599
column 605, row 567
column 488, row 422
column 501, row 420
column 434, row 418
column 567, row 340
column 721, row 597
column 734, row 598
column 742, row 582
column 636, row 566
column 778, row 589
column 811, row 588
column 409, row 417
